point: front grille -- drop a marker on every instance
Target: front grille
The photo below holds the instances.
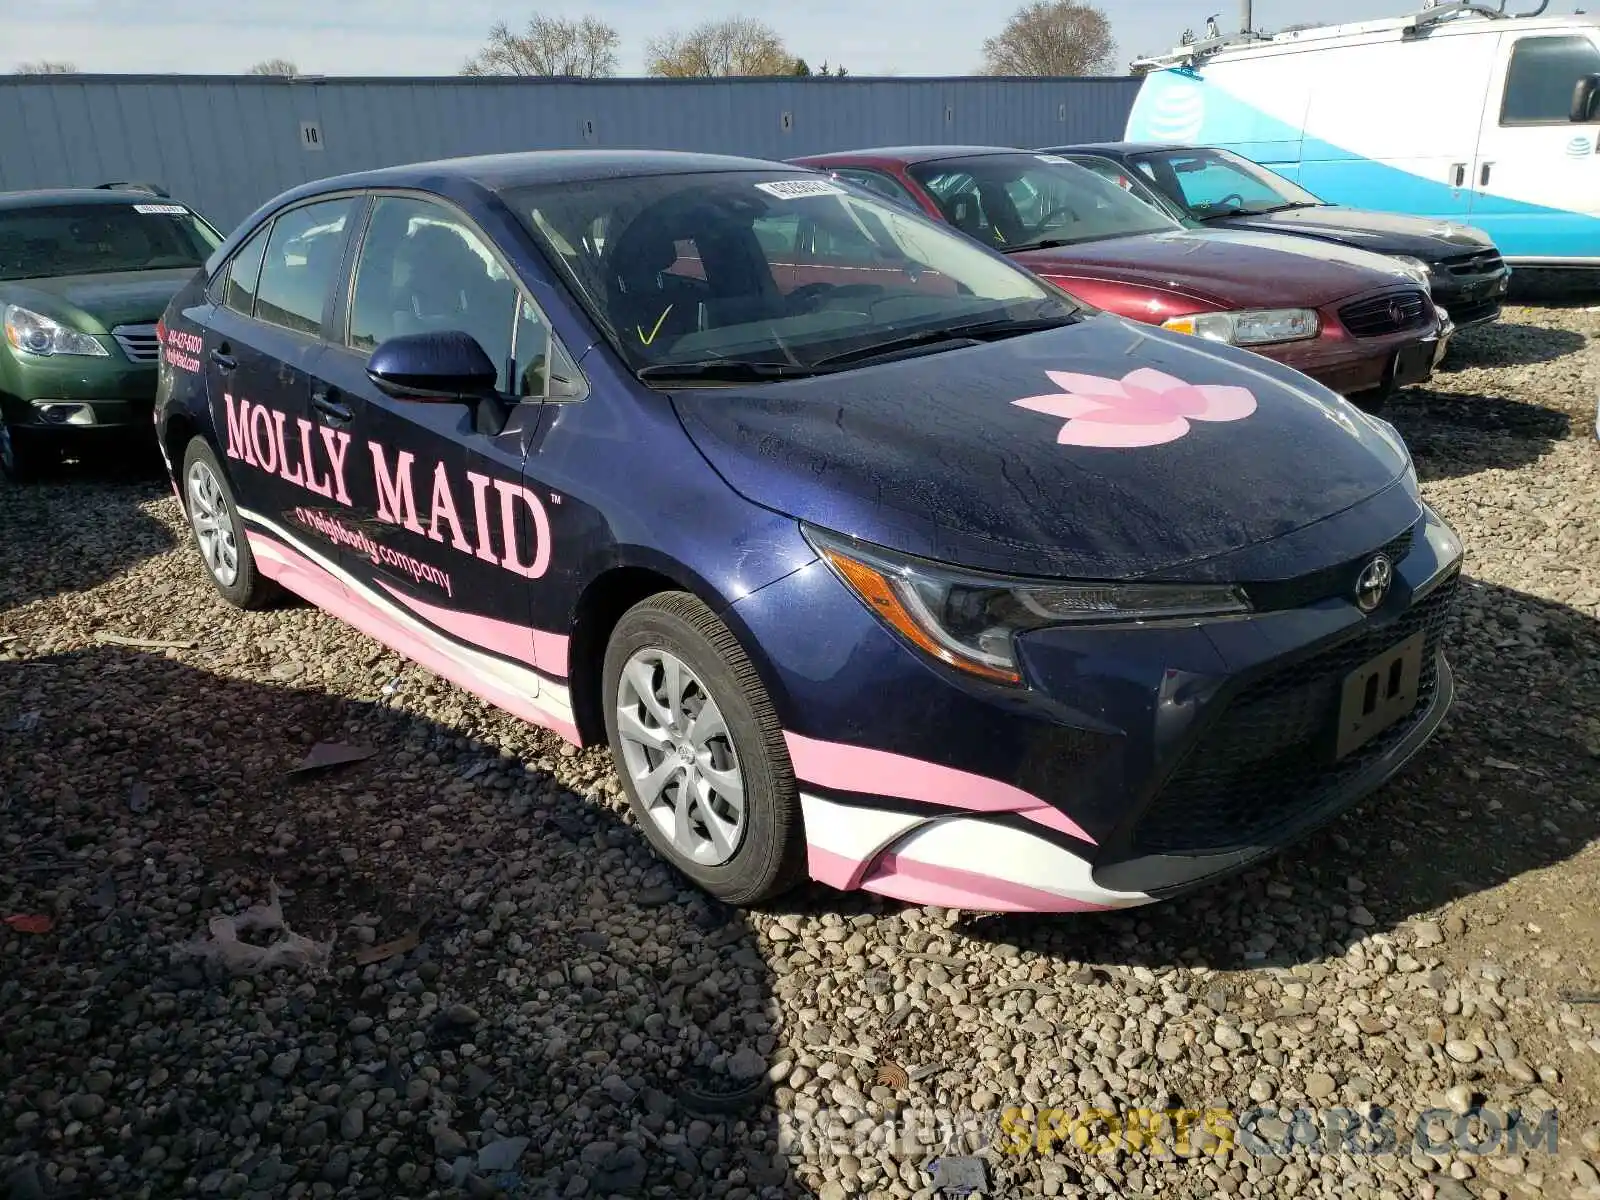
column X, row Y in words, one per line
column 1485, row 262
column 1268, row 760
column 1339, row 580
column 1477, row 310
column 1385, row 314
column 138, row 342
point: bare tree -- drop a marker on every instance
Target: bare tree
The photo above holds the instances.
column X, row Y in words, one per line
column 550, row 46
column 736, row 46
column 47, row 68
column 276, row 66
column 1051, row 37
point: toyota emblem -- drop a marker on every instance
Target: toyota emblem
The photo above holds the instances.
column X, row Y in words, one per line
column 1372, row 585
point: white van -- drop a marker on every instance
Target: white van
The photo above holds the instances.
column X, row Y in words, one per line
column 1460, row 113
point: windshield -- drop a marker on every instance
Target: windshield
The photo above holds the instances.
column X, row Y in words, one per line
column 782, row 271
column 1130, row 182
column 1018, row 201
column 98, row 239
column 1216, row 183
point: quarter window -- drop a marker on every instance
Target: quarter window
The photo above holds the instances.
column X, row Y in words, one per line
column 302, row 260
column 424, row 270
column 244, row 273
column 1541, row 77
column 543, row 368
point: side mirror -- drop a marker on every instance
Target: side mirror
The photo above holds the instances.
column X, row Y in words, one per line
column 446, row 366
column 1586, row 99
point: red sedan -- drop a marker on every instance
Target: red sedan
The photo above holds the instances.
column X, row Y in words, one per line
column 1357, row 322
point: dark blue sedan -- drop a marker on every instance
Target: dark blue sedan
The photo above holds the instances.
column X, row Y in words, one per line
column 873, row 557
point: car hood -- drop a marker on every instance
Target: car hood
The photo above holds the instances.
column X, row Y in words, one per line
column 933, row 456
column 1387, row 233
column 97, row 303
column 1234, row 268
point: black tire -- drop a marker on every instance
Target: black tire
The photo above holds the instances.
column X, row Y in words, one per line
column 24, row 454
column 770, row 857
column 1374, row 401
column 249, row 589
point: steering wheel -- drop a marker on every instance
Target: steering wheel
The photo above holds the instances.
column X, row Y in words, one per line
column 806, row 297
column 1057, row 211
column 1230, row 196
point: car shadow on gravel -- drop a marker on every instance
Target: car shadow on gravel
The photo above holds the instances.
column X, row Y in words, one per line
column 1452, row 435
column 47, row 548
column 509, row 960
column 1511, row 785
column 1510, row 344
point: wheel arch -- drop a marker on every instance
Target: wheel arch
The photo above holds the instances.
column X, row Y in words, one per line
column 602, row 603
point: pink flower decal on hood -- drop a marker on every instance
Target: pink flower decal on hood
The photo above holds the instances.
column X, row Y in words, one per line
column 1143, row 408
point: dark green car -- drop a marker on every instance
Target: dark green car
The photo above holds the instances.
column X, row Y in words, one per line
column 85, row 275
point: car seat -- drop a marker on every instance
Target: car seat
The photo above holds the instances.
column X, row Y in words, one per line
column 648, row 307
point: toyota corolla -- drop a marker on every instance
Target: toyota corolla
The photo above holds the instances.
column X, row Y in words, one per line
column 873, row 557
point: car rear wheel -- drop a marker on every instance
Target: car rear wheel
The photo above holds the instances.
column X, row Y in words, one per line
column 700, row 750
column 218, row 532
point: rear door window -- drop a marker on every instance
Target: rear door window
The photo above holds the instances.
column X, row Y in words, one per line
column 1541, row 77
column 301, row 263
column 879, row 183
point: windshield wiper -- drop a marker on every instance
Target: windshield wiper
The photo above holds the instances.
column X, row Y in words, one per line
column 725, row 370
column 955, row 335
column 1041, row 244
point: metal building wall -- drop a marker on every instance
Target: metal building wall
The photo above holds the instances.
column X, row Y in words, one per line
column 226, row 144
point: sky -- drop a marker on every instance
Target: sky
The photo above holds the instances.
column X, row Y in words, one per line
column 427, row 37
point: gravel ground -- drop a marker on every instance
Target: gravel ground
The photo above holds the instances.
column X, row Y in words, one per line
column 517, row 999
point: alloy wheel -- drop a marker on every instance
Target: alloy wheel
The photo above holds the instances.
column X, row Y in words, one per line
column 213, row 524
column 678, row 751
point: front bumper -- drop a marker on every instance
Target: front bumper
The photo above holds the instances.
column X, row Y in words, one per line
column 71, row 393
column 1354, row 366
column 1473, row 300
column 1140, row 763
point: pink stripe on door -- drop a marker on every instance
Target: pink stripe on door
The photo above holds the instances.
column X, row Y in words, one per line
column 547, row 651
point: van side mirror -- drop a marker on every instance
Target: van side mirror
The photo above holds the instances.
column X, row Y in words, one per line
column 1586, row 99
column 448, row 366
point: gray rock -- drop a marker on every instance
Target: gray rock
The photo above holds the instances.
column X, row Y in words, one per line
column 501, row 1155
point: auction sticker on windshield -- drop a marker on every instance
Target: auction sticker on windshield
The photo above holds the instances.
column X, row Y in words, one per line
column 794, row 189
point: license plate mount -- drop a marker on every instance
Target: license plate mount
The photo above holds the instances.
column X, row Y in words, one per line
column 1414, row 363
column 1380, row 692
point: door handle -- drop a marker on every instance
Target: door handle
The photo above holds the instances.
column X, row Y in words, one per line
column 327, row 406
column 1459, row 174
column 223, row 362
column 1483, row 175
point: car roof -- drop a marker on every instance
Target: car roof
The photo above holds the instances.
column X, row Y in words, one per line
column 529, row 167
column 915, row 154
column 46, row 197
column 1120, row 147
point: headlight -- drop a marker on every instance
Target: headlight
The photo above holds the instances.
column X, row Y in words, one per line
column 1417, row 269
column 32, row 333
column 1251, row 328
column 968, row 620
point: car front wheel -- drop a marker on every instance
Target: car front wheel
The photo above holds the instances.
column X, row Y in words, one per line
column 700, row 750
column 218, row 532
column 21, row 455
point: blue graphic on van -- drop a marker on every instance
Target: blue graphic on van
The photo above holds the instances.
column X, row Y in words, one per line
column 1579, row 146
column 1185, row 108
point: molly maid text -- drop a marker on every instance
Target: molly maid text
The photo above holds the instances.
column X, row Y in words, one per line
column 317, row 459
